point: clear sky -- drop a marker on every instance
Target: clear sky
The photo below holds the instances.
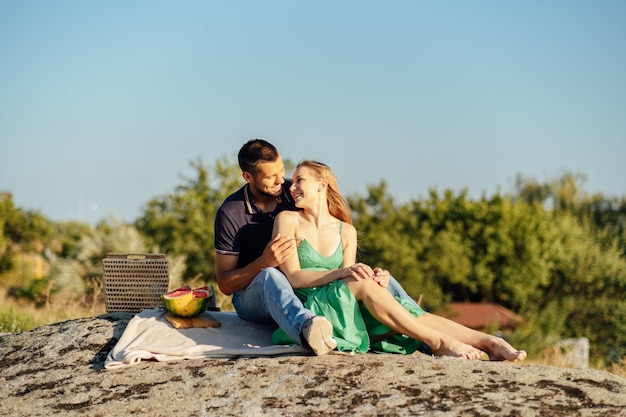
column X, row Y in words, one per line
column 103, row 104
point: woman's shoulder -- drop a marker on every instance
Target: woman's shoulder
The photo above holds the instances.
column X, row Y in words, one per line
column 348, row 228
column 287, row 215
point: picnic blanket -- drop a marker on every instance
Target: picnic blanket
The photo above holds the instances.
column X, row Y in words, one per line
column 149, row 336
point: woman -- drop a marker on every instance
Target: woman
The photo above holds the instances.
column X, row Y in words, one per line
column 352, row 295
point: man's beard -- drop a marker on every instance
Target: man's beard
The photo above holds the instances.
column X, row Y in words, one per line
column 269, row 195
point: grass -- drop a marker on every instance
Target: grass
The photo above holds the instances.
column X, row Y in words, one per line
column 554, row 356
column 17, row 315
column 618, row 368
column 20, row 315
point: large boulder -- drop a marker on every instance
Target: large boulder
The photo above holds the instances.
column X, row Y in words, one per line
column 59, row 369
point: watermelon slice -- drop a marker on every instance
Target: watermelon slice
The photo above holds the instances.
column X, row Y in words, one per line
column 187, row 302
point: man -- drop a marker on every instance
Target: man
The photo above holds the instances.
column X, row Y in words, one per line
column 247, row 257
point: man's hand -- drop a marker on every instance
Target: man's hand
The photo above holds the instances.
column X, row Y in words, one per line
column 278, row 250
column 381, row 276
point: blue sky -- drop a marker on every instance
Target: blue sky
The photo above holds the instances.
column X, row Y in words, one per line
column 103, row 104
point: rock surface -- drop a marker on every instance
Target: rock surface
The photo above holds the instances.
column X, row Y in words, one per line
column 59, row 369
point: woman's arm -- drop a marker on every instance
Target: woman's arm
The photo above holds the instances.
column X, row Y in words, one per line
column 350, row 246
column 348, row 239
column 286, row 223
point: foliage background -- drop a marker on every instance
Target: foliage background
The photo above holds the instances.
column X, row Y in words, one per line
column 548, row 251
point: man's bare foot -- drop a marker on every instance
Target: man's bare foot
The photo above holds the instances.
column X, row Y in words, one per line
column 500, row 350
column 458, row 349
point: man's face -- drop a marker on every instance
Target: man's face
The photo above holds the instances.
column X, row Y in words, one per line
column 269, row 179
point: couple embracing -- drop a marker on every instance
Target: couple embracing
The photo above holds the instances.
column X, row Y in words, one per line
column 286, row 251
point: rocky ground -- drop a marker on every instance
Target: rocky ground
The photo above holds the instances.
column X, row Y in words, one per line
column 58, row 369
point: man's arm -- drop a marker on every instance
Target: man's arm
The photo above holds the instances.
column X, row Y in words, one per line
column 231, row 279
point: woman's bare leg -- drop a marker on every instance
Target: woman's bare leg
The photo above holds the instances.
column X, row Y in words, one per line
column 391, row 313
column 497, row 348
column 443, row 336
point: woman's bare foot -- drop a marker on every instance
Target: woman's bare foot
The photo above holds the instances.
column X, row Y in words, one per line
column 499, row 350
column 458, row 349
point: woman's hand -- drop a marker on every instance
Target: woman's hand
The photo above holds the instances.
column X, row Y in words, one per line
column 381, row 276
column 360, row 271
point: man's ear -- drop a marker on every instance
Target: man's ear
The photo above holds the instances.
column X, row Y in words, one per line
column 246, row 176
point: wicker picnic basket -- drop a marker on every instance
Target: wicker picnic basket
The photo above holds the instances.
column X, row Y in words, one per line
column 134, row 282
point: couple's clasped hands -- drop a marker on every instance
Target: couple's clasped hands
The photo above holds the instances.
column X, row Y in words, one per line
column 361, row 271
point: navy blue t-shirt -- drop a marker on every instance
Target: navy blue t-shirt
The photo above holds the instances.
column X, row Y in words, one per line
column 242, row 229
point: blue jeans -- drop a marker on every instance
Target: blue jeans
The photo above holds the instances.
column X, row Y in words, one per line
column 270, row 299
column 396, row 290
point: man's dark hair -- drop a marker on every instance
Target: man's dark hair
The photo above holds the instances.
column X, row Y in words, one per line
column 255, row 151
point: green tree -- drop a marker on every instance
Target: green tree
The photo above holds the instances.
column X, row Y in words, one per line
column 555, row 266
column 68, row 235
column 78, row 275
column 182, row 223
column 606, row 216
column 391, row 238
column 21, row 231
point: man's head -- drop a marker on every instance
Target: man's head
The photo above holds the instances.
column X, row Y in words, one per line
column 262, row 168
column 255, row 151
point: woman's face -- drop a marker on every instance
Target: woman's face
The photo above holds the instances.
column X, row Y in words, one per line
column 305, row 187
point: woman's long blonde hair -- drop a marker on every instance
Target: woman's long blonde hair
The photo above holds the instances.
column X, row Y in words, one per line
column 337, row 205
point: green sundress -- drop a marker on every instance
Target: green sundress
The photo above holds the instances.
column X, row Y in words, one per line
column 352, row 322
